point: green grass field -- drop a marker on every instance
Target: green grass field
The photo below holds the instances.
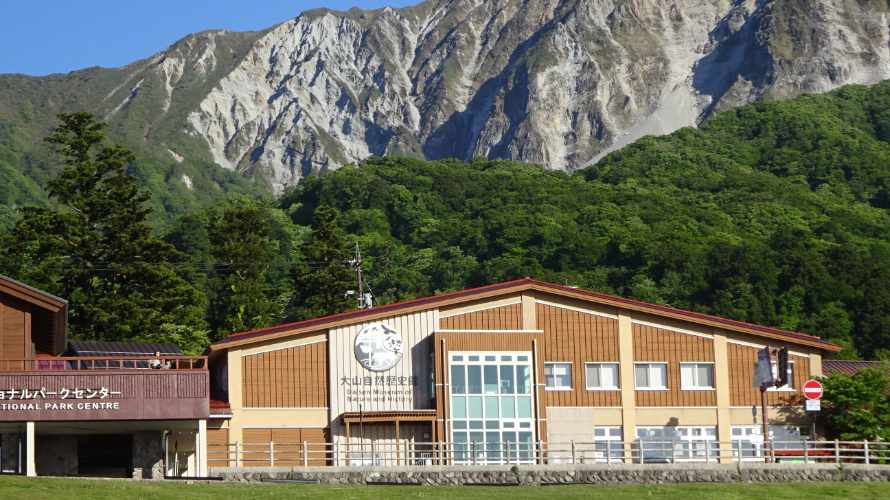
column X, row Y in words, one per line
column 51, row 488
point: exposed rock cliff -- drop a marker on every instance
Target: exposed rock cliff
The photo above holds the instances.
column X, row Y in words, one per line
column 555, row 82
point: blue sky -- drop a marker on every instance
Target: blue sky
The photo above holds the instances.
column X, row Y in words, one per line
column 54, row 36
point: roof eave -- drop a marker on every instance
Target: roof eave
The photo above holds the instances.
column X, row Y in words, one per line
column 517, row 286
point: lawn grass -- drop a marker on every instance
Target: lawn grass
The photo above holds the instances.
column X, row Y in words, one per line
column 14, row 487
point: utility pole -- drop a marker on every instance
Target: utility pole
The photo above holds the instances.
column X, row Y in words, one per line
column 365, row 299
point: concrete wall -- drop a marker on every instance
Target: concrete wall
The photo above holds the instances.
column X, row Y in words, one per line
column 566, row 474
column 148, row 455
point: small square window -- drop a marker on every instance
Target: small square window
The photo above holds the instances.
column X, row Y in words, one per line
column 557, row 376
column 696, row 376
column 601, row 376
column 651, row 376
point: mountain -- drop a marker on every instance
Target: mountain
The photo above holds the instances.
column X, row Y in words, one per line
column 775, row 212
column 554, row 82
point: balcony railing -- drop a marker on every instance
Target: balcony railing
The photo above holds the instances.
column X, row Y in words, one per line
column 390, row 454
column 90, row 363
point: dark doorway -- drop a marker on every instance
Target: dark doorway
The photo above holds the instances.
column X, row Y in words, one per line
column 105, row 456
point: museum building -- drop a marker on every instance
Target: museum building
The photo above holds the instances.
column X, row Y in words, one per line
column 498, row 374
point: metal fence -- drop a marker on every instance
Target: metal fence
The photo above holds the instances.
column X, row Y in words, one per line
column 390, row 454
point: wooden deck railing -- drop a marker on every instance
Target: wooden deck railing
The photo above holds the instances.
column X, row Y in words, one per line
column 88, row 363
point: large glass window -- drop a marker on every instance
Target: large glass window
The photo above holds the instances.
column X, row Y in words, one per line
column 696, row 376
column 492, row 408
column 651, row 376
column 558, row 376
column 601, row 376
column 671, row 444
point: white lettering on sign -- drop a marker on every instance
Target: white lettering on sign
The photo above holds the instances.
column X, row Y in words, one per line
column 50, row 406
column 62, row 393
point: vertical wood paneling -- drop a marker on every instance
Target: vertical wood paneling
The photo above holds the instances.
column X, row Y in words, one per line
column 288, row 447
column 579, row 338
column 667, row 346
column 507, row 317
column 217, row 448
column 742, row 361
column 296, row 377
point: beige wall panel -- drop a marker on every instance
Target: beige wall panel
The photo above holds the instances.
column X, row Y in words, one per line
column 567, row 424
column 272, row 418
column 416, row 330
column 662, row 345
column 777, row 416
column 578, row 337
column 675, row 416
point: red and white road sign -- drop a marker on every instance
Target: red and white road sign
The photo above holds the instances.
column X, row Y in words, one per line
column 812, row 389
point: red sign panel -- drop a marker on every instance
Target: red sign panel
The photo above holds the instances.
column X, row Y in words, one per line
column 812, row 389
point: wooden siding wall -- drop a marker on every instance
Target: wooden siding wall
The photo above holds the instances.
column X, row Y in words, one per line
column 15, row 332
column 296, row 377
column 579, row 338
column 741, row 378
column 288, row 447
column 660, row 345
column 498, row 318
column 218, row 453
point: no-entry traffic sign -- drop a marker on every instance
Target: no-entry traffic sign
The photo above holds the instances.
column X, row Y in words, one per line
column 812, row 389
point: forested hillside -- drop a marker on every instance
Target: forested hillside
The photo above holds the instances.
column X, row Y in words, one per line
column 777, row 213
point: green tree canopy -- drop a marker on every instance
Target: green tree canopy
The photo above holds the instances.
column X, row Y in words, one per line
column 322, row 275
column 95, row 247
column 857, row 407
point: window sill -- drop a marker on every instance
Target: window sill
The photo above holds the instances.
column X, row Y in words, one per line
column 781, row 390
column 603, row 389
column 651, row 389
column 698, row 389
column 557, row 389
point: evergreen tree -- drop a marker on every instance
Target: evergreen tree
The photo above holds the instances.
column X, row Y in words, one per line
column 322, row 276
column 243, row 294
column 96, row 248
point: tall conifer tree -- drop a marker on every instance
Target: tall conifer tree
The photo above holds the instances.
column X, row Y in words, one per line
column 323, row 276
column 95, row 247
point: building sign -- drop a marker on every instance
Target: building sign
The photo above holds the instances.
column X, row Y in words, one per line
column 379, row 388
column 63, row 399
column 378, row 347
column 90, row 395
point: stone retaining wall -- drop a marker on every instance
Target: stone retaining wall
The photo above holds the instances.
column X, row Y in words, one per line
column 564, row 474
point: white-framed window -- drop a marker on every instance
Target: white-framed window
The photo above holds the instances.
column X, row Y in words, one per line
column 678, row 444
column 651, row 376
column 608, row 444
column 601, row 376
column 696, row 376
column 748, row 440
column 790, row 385
column 558, row 376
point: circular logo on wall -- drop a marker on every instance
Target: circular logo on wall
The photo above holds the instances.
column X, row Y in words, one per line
column 378, row 347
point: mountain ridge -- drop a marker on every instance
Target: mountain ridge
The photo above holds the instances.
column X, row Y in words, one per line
column 554, row 82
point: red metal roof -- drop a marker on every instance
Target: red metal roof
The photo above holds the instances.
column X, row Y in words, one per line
column 848, row 367
column 519, row 286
